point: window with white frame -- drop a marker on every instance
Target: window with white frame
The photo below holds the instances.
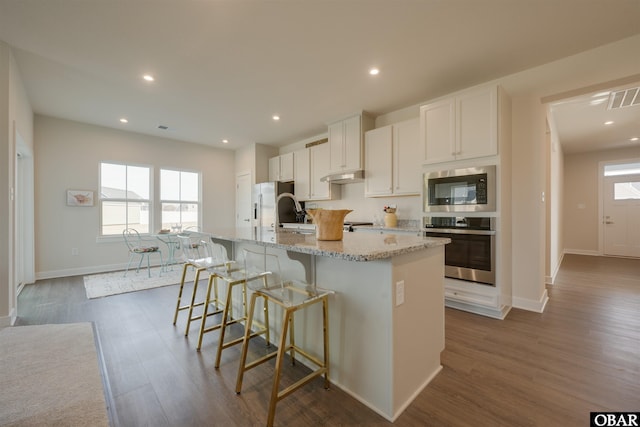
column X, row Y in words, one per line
column 125, row 198
column 179, row 199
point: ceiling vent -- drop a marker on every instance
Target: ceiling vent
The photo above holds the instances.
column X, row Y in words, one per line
column 624, row 98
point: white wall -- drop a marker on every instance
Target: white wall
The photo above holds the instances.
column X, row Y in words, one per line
column 556, row 195
column 5, row 183
column 67, row 156
column 581, row 175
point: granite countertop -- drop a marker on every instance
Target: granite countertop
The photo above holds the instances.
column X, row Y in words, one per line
column 353, row 246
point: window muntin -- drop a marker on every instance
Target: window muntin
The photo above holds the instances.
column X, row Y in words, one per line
column 179, row 199
column 124, row 198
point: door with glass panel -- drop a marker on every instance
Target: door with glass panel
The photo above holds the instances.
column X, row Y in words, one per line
column 621, row 211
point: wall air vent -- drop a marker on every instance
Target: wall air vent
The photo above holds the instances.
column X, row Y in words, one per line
column 624, row 98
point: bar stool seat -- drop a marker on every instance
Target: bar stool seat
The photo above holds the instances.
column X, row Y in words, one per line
column 291, row 296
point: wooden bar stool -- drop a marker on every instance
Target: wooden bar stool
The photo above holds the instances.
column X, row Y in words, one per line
column 291, row 297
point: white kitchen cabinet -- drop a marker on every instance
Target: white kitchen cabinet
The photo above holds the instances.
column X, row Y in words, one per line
column 311, row 164
column 281, row 168
column 345, row 143
column 464, row 126
column 301, row 170
column 392, row 162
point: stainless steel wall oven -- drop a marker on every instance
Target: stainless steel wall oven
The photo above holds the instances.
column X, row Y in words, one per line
column 471, row 254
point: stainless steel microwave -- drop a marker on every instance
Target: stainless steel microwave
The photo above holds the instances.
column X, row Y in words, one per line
column 461, row 190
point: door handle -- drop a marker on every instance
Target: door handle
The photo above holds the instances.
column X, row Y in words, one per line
column 609, row 222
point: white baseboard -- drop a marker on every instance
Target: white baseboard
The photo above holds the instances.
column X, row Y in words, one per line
column 81, row 271
column 531, row 305
column 550, row 280
column 582, row 252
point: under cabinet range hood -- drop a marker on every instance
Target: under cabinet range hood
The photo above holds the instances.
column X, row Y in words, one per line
column 344, row 177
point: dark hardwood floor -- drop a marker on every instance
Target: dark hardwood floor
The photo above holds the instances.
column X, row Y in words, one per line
column 551, row 369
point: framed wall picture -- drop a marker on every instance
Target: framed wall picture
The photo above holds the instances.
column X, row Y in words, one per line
column 79, row 198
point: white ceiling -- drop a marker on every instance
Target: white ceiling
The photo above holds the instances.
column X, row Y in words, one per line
column 224, row 67
column 580, row 122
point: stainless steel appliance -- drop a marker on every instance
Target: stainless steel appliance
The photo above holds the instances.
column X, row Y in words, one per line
column 264, row 198
column 471, row 254
column 461, row 190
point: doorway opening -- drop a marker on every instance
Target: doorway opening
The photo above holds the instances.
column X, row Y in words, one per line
column 620, row 208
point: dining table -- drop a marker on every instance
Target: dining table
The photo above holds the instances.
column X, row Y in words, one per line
column 170, row 239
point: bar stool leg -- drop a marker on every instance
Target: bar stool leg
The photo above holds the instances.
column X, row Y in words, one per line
column 292, row 341
column 223, row 324
column 184, row 275
column 325, row 338
column 193, row 299
column 286, row 321
column 205, row 309
column 245, row 344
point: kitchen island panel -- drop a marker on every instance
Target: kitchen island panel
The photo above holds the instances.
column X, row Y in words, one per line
column 381, row 353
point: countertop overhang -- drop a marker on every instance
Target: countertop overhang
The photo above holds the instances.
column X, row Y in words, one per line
column 353, row 246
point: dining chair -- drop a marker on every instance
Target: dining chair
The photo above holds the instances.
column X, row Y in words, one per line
column 139, row 247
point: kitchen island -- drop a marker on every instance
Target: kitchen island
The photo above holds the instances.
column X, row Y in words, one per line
column 386, row 320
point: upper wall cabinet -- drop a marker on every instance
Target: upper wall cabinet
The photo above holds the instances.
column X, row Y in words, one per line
column 461, row 127
column 392, row 160
column 345, row 143
column 281, row 168
column 310, row 165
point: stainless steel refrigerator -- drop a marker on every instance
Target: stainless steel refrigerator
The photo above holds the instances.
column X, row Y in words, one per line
column 264, row 204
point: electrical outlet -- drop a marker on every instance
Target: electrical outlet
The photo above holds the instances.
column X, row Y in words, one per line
column 74, row 251
column 399, row 293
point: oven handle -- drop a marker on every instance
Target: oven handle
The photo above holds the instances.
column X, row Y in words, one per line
column 460, row 231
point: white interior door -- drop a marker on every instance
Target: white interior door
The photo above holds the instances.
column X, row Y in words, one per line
column 621, row 215
column 243, row 200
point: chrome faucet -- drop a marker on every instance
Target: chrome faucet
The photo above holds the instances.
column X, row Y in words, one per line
column 296, row 203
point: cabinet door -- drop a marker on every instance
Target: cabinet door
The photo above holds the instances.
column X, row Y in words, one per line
column 378, row 162
column 286, row 167
column 352, row 144
column 274, row 169
column 319, row 160
column 407, row 173
column 336, row 147
column 477, row 124
column 301, row 172
column 437, row 131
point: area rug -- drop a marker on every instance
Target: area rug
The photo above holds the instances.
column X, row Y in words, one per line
column 105, row 284
column 50, row 375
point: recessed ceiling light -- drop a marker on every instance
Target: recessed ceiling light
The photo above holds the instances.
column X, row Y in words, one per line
column 148, row 77
column 635, row 138
column 610, row 122
column 225, row 141
column 276, row 117
column 374, row 71
column 123, row 120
